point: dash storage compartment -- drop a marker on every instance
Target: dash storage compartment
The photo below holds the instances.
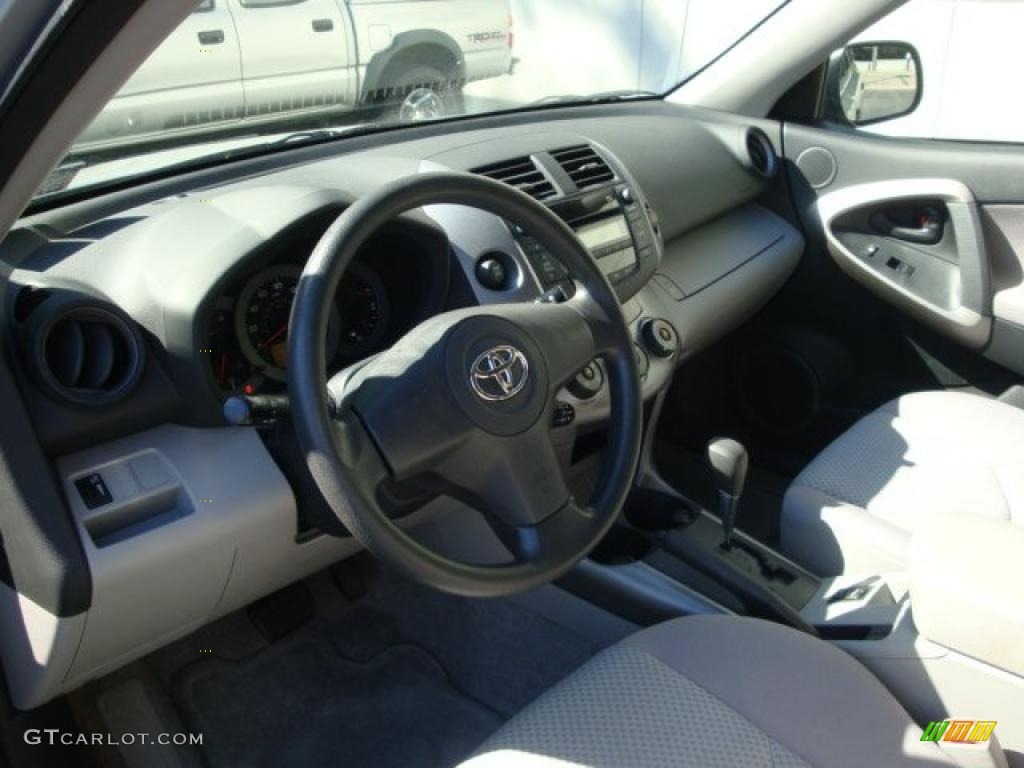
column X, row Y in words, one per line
column 129, row 496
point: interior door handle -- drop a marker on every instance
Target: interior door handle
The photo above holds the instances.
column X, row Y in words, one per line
column 211, row 37
column 928, row 233
column 322, row 25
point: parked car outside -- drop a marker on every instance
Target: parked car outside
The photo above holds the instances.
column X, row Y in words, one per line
column 235, row 63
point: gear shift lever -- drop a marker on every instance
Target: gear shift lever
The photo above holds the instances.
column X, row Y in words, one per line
column 728, row 460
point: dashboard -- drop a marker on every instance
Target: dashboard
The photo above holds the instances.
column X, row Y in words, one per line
column 198, row 281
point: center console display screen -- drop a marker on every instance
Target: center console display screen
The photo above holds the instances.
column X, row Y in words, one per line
column 617, row 262
column 611, row 243
column 603, row 232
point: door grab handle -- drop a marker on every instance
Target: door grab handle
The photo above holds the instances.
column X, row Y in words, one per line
column 928, row 233
column 322, row 25
column 211, row 37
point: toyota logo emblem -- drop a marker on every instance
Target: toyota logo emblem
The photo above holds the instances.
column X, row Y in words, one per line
column 499, row 373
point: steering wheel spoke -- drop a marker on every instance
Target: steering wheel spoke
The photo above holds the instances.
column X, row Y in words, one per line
column 549, row 539
column 516, row 480
column 403, row 401
column 357, row 452
column 563, row 334
column 605, row 327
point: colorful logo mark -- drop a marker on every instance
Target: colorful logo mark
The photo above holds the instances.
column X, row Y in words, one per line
column 960, row 731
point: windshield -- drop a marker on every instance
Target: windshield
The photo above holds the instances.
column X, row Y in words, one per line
column 244, row 75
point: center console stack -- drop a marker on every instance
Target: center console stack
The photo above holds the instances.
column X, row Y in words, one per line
column 614, row 226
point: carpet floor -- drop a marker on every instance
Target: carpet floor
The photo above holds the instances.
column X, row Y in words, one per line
column 300, row 702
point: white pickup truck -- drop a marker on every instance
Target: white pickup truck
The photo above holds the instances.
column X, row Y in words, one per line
column 233, row 63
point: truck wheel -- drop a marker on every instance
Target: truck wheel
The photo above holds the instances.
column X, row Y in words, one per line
column 424, row 93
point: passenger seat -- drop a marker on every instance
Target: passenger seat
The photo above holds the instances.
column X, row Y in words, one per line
column 854, row 508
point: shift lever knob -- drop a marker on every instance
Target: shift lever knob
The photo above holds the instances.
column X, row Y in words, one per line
column 728, row 461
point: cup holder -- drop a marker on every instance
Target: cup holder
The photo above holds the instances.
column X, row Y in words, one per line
column 651, row 510
column 621, row 546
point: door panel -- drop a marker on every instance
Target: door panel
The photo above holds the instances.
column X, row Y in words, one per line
column 931, row 265
column 1004, row 226
column 962, row 278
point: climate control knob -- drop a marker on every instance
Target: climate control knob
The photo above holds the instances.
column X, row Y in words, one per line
column 588, row 382
column 659, row 337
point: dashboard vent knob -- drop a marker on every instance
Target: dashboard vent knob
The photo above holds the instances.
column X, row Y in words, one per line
column 87, row 353
column 761, row 152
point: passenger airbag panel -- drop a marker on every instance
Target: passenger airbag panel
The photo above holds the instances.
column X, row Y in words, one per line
column 698, row 259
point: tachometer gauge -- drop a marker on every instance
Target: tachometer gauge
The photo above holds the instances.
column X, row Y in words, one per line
column 262, row 314
column 363, row 308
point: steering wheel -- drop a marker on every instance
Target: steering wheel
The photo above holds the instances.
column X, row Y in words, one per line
column 463, row 403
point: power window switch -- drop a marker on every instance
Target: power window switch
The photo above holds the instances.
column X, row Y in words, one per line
column 871, row 251
column 93, row 490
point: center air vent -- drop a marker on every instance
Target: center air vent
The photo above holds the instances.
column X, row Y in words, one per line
column 88, row 354
column 584, row 166
column 761, row 153
column 521, row 173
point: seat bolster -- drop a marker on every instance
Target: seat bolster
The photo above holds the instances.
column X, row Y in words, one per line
column 714, row 692
column 854, row 507
column 829, row 537
column 806, row 694
column 627, row 709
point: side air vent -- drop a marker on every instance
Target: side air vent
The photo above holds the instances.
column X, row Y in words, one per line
column 88, row 354
column 521, row 173
column 761, row 152
column 585, row 167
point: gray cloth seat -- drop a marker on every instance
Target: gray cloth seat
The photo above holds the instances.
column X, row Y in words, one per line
column 714, row 691
column 855, row 507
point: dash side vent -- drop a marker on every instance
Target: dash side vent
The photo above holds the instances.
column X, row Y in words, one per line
column 761, row 153
column 88, row 355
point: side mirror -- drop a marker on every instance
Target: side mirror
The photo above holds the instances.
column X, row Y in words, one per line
column 871, row 82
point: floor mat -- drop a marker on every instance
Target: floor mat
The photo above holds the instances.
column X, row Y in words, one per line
column 496, row 651
column 760, row 507
column 299, row 702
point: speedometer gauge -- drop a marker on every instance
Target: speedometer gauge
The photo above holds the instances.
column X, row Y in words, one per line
column 261, row 320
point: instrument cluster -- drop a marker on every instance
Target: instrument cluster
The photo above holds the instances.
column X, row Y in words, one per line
column 399, row 277
column 247, row 337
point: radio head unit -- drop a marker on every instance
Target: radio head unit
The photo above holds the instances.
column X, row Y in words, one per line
column 614, row 227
